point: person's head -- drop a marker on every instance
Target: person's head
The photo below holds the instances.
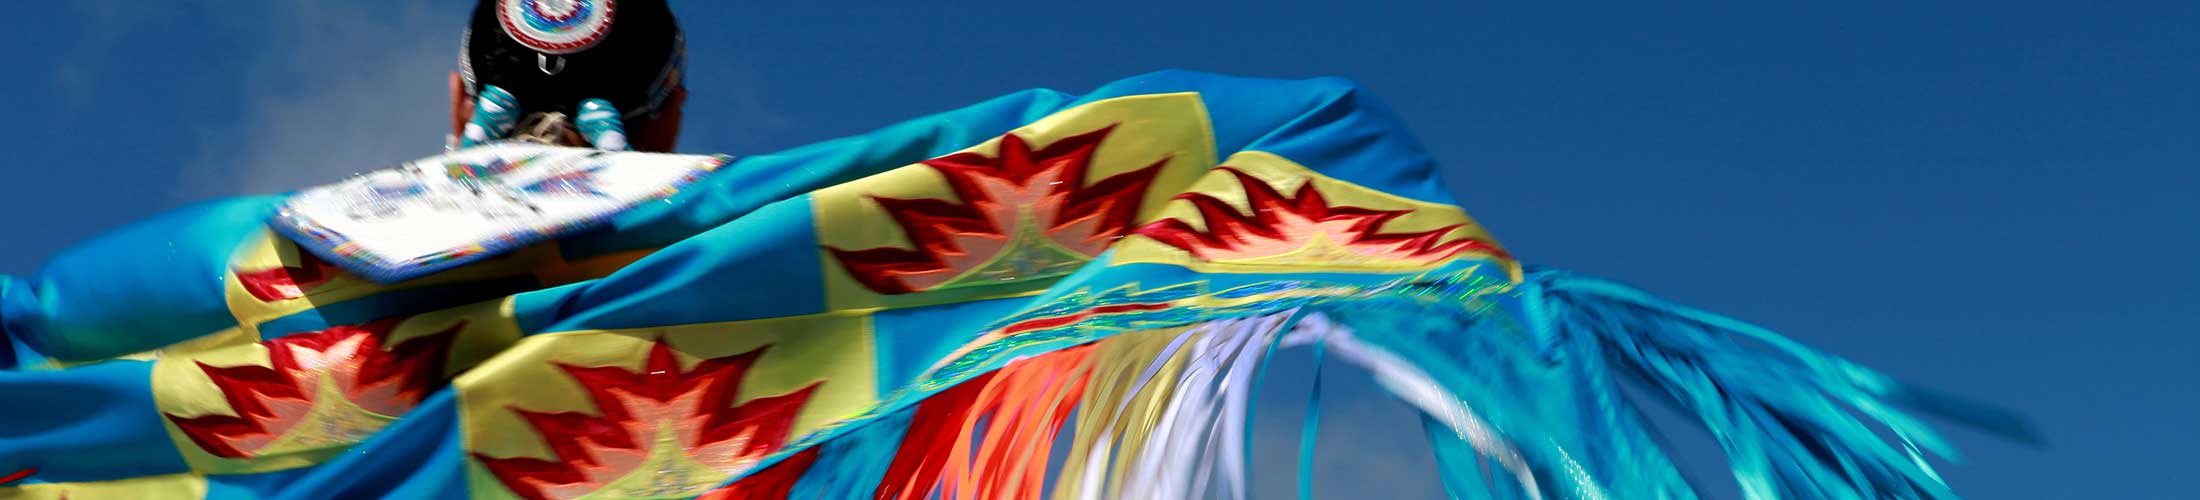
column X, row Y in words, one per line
column 553, row 54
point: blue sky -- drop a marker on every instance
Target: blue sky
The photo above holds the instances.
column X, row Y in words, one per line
column 1998, row 202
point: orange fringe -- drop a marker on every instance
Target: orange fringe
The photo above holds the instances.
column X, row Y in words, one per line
column 1023, row 406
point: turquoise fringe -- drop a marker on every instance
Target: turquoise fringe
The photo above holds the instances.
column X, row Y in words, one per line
column 1794, row 423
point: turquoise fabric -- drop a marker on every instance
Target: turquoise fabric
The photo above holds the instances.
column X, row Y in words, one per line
column 138, row 288
column 86, row 424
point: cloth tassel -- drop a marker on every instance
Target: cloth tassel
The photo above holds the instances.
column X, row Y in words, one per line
column 1517, row 406
column 1786, row 415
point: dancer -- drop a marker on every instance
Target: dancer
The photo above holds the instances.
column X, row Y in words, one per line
column 921, row 311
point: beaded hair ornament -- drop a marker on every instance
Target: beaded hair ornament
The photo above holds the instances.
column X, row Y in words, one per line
column 554, row 30
column 557, row 26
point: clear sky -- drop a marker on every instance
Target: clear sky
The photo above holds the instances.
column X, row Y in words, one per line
column 1997, row 201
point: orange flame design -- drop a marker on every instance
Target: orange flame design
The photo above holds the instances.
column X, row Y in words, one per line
column 1304, row 223
column 271, row 401
column 657, row 406
column 1023, row 213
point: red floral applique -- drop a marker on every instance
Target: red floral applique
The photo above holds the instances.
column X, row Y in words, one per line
column 641, row 410
column 287, row 282
column 271, row 401
column 1024, row 213
column 1304, row 221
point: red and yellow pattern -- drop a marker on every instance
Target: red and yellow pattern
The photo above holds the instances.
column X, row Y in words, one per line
column 659, row 409
column 1025, row 208
column 1264, row 212
column 273, row 278
column 302, row 398
column 308, row 370
column 776, row 481
column 657, row 412
column 1008, row 216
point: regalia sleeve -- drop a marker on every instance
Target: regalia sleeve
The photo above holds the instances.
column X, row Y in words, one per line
column 1041, row 295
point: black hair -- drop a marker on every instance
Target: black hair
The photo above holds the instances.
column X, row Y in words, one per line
column 626, row 67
